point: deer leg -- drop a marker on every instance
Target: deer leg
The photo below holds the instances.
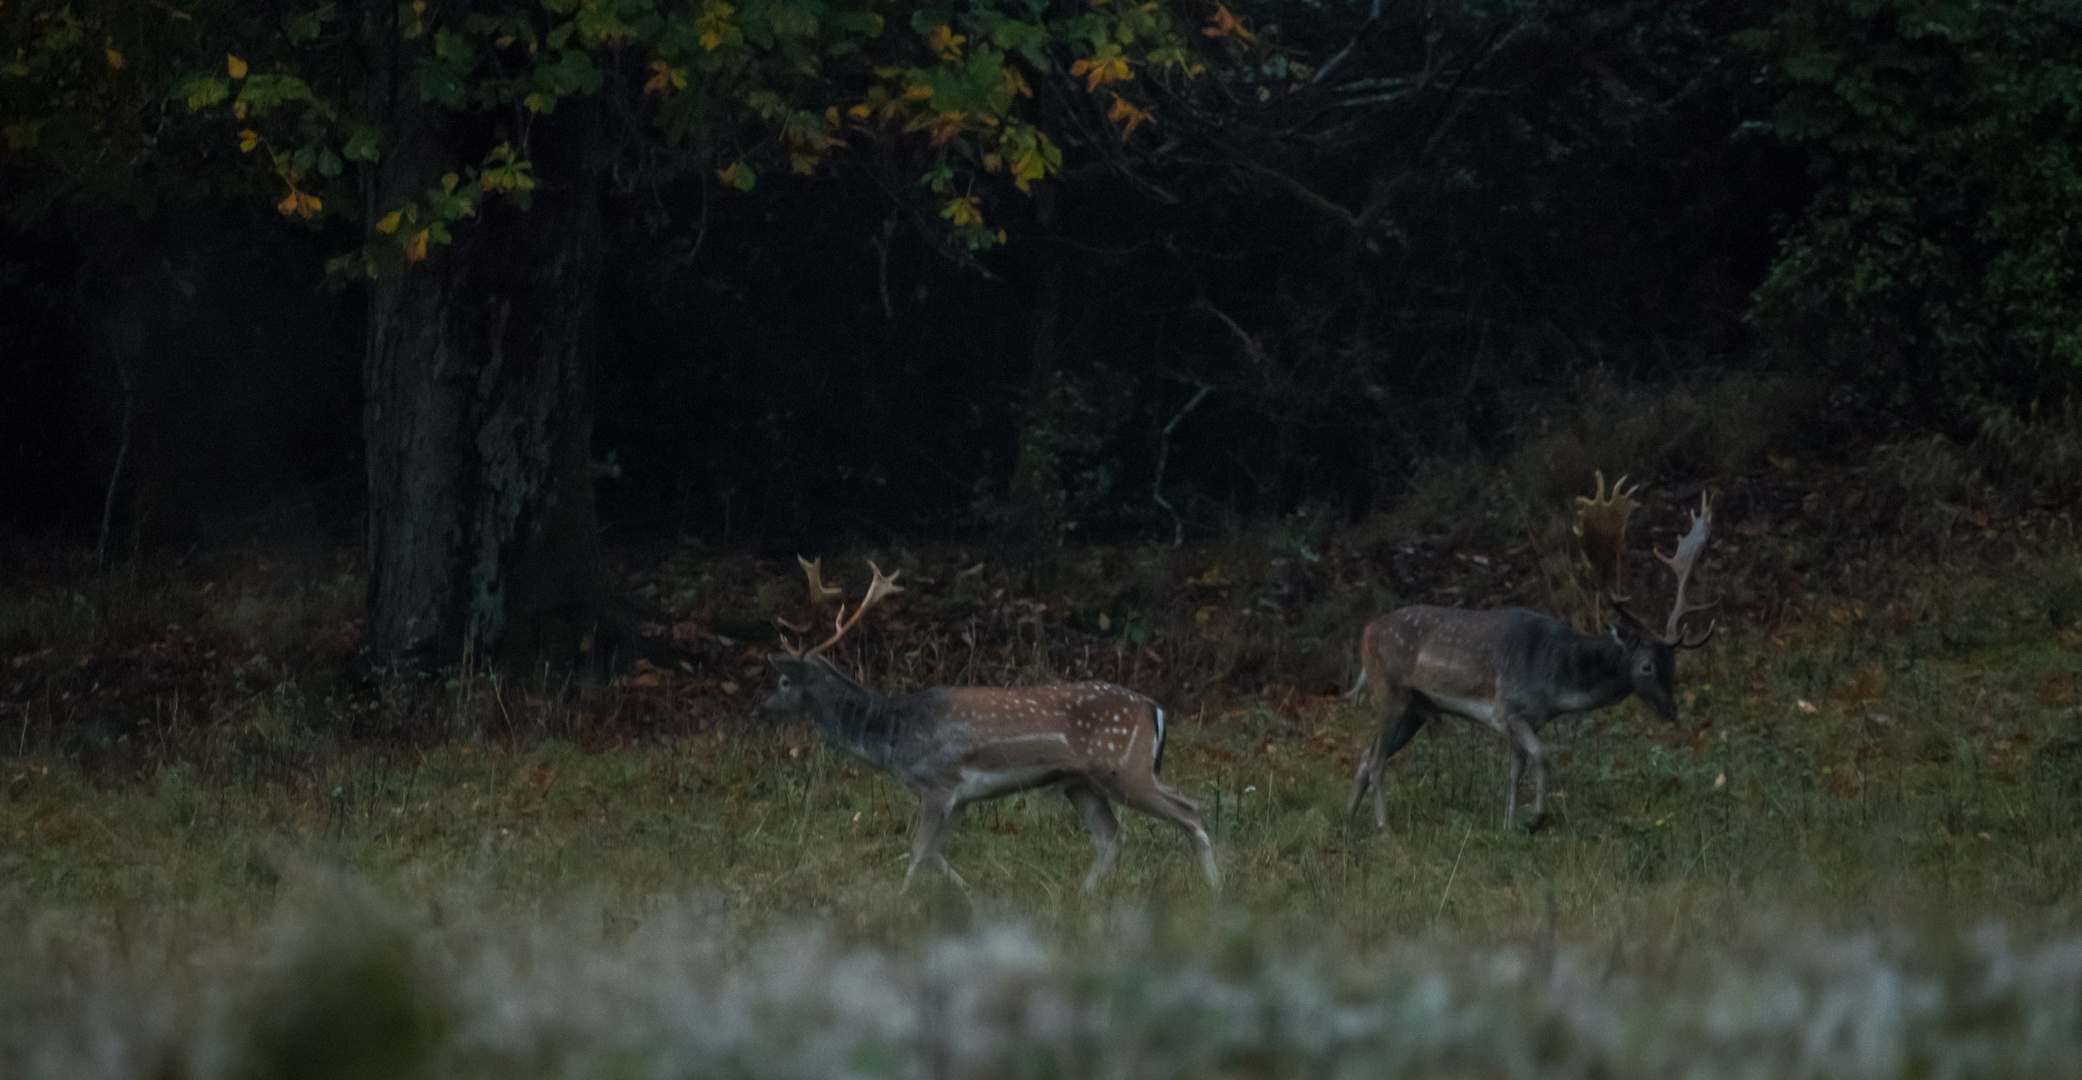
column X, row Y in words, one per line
column 1511, row 788
column 935, row 812
column 1098, row 816
column 1159, row 801
column 1528, row 746
column 953, row 819
column 1399, row 725
column 1394, row 736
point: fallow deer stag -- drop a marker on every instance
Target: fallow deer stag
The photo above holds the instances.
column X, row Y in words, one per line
column 1514, row 670
column 1095, row 742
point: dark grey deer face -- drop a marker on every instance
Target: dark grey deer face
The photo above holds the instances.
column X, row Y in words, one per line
column 798, row 678
column 1652, row 667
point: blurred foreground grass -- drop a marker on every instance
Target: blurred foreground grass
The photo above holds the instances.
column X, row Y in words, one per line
column 1856, row 857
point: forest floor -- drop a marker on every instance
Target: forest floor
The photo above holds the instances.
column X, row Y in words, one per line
column 1855, row 855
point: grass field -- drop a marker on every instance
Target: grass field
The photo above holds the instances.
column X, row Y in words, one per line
column 1856, row 856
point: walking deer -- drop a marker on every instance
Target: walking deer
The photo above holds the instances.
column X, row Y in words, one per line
column 1515, row 670
column 953, row 745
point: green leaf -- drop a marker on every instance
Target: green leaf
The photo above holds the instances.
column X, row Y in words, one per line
column 202, row 91
column 438, row 82
column 459, row 51
column 305, row 26
column 260, row 93
column 363, row 143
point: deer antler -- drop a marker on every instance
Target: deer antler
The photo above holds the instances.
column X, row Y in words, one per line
column 882, row 586
column 1680, row 563
column 1601, row 522
column 819, row 591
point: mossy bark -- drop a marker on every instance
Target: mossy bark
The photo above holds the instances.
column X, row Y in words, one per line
column 481, row 534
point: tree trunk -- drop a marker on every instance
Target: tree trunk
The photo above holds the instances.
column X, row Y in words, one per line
column 481, row 533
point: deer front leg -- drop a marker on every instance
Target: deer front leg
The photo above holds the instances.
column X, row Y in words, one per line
column 936, row 810
column 1525, row 746
column 1529, row 746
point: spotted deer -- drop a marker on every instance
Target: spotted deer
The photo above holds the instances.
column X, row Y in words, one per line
column 1095, row 742
column 1515, row 670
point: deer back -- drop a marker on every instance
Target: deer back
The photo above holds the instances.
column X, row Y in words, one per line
column 1089, row 729
column 1470, row 662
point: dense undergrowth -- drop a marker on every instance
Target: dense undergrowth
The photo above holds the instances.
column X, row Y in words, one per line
column 221, row 854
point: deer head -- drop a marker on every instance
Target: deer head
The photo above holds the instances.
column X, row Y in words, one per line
column 1651, row 652
column 805, row 672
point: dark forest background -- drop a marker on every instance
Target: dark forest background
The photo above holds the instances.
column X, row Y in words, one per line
column 1269, row 303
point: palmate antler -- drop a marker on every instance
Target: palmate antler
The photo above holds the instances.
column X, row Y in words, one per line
column 1601, row 522
column 883, row 585
column 1680, row 563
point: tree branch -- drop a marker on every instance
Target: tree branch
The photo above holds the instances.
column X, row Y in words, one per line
column 1331, row 64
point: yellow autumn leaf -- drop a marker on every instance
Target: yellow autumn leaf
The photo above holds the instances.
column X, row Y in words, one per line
column 963, row 211
column 945, row 42
column 1123, row 112
column 115, row 59
column 236, row 66
column 1102, row 69
column 665, row 77
column 947, row 126
column 248, row 139
column 416, row 247
column 300, row 203
column 1225, row 24
column 388, row 223
column 536, row 102
column 238, row 108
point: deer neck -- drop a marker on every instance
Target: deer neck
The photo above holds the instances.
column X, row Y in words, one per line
column 861, row 722
column 1591, row 672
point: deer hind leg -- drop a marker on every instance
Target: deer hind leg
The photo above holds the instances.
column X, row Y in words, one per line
column 1370, row 761
column 1097, row 813
column 937, row 814
column 1398, row 727
column 1511, row 785
column 1159, row 801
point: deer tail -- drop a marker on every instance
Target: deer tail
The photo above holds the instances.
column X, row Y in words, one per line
column 1357, row 686
column 1156, row 765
